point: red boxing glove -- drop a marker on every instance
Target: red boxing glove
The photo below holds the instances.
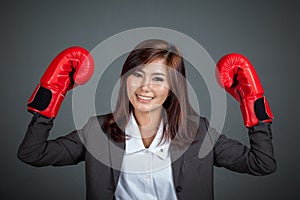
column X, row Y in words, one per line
column 73, row 66
column 236, row 74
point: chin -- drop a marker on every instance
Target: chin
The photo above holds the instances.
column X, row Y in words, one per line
column 146, row 109
column 142, row 109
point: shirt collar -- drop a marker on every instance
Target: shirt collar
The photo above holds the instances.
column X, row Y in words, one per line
column 134, row 143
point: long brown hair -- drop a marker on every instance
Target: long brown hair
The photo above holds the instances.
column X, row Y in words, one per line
column 177, row 106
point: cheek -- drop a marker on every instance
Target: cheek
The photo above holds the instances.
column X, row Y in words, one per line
column 132, row 85
column 162, row 91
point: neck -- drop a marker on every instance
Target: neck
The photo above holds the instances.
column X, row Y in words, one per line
column 148, row 123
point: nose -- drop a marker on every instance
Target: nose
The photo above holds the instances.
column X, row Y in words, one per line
column 145, row 88
column 146, row 85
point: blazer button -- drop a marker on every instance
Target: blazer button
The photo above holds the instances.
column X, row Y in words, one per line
column 178, row 189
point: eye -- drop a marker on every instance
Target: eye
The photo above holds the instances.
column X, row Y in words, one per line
column 137, row 74
column 158, row 79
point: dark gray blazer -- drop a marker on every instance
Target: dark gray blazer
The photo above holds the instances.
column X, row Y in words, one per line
column 192, row 167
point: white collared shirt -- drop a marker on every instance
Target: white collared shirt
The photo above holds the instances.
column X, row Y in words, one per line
column 146, row 172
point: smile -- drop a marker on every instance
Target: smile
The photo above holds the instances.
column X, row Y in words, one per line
column 144, row 98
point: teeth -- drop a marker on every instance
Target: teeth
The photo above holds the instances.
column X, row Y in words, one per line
column 144, row 98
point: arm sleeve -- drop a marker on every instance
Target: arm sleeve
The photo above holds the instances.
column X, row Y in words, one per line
column 258, row 159
column 37, row 151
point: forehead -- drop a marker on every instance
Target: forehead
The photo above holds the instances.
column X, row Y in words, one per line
column 157, row 65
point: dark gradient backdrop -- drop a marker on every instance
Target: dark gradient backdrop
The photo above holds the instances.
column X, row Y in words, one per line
column 33, row 32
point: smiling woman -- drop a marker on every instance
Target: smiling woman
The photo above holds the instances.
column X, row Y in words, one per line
column 151, row 142
column 148, row 88
column 153, row 87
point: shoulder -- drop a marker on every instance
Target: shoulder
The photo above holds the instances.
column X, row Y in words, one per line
column 202, row 141
column 95, row 124
column 198, row 121
column 99, row 119
column 109, row 126
column 204, row 133
column 197, row 128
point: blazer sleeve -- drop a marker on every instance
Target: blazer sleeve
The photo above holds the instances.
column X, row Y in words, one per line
column 257, row 159
column 37, row 151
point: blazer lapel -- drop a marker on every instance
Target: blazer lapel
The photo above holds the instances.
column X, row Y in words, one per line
column 176, row 159
column 116, row 151
column 177, row 151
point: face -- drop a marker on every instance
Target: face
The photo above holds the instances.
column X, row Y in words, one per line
column 148, row 87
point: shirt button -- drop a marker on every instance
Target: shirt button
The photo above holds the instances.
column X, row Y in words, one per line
column 147, row 151
column 178, row 188
column 147, row 178
column 161, row 150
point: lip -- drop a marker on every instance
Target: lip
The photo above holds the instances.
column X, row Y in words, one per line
column 143, row 98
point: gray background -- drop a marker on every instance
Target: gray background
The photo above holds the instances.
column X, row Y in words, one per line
column 33, row 32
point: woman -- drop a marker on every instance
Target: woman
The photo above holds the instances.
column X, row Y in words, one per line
column 148, row 147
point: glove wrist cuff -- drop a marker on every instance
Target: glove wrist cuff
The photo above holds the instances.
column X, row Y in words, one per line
column 255, row 110
column 44, row 101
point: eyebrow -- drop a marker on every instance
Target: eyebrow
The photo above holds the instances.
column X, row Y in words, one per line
column 158, row 73
column 155, row 73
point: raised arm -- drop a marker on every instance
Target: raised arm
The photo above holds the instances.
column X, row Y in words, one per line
column 71, row 67
column 37, row 150
column 238, row 77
